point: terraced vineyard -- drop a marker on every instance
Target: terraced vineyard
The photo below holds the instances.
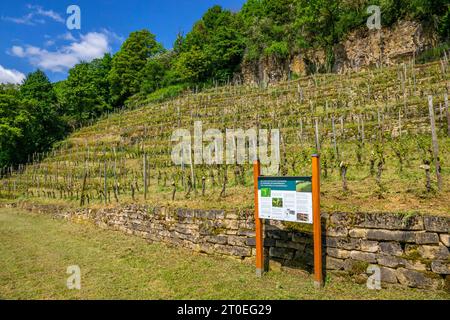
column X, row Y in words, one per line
column 372, row 129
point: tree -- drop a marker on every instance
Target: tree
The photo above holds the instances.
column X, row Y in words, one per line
column 38, row 104
column 85, row 93
column 213, row 49
column 154, row 74
column 125, row 76
column 192, row 66
column 10, row 133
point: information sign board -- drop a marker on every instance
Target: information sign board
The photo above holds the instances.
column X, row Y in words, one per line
column 285, row 199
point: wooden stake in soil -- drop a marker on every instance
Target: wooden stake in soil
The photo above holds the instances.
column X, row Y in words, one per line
column 145, row 175
column 447, row 113
column 435, row 142
column 317, row 135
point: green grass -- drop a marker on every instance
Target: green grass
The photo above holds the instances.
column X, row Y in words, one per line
column 36, row 251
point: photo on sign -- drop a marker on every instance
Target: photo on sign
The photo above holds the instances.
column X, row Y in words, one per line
column 277, row 202
column 302, row 217
column 266, row 192
column 303, row 186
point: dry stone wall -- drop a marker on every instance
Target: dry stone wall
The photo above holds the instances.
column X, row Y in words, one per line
column 411, row 250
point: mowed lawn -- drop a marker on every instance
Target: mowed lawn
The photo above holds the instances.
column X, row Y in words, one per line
column 36, row 250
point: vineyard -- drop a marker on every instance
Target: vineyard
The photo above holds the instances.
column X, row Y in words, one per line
column 383, row 136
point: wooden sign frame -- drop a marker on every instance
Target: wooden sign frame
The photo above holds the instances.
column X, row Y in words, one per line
column 317, row 226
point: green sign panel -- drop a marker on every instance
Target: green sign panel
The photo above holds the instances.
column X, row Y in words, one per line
column 285, row 198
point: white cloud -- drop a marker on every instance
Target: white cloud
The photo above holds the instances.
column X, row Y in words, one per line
column 36, row 16
column 39, row 11
column 49, row 43
column 17, row 51
column 67, row 36
column 10, row 75
column 90, row 46
column 113, row 36
column 27, row 19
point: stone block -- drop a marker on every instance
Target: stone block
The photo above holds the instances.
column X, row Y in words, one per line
column 439, row 252
column 343, row 243
column 415, row 265
column 237, row 241
column 445, row 239
column 252, row 242
column 389, row 235
column 440, row 267
column 220, row 214
column 246, row 232
column 363, row 256
column 269, row 242
column 337, row 231
column 231, row 216
column 302, row 237
column 340, row 218
column 388, row 275
column 233, row 250
column 274, row 265
column 391, row 221
column 338, row 253
column 390, row 261
column 427, row 238
column 417, row 279
column 277, row 234
column 282, row 253
column 437, row 224
column 334, row 263
column 355, row 267
column 289, row 244
column 358, row 233
column 231, row 224
column 217, row 239
column 369, row 246
column 391, row 248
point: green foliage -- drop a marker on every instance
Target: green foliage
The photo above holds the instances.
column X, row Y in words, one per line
column 191, row 66
column 213, row 49
column 29, row 119
column 154, row 74
column 85, row 93
column 126, row 74
column 165, row 93
column 433, row 54
column 39, row 104
column 278, row 49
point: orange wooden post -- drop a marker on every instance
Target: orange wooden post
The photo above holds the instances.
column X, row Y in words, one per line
column 318, row 281
column 258, row 224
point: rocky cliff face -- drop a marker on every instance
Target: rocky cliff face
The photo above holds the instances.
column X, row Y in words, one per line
column 266, row 70
column 366, row 48
column 361, row 49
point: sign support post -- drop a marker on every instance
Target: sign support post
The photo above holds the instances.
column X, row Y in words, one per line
column 317, row 230
column 294, row 199
column 258, row 224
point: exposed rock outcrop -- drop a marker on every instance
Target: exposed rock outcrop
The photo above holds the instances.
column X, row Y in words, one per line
column 362, row 48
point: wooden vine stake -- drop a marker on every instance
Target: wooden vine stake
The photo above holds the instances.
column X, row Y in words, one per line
column 447, row 113
column 435, row 142
column 317, row 134
column 145, row 175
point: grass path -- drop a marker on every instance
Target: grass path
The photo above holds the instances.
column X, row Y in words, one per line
column 36, row 250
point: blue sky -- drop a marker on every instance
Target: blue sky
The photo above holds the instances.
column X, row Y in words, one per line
column 33, row 34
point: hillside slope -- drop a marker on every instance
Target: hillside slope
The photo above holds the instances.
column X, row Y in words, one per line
column 381, row 138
